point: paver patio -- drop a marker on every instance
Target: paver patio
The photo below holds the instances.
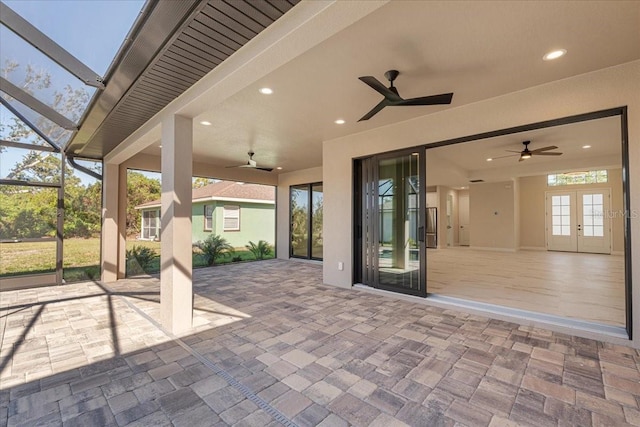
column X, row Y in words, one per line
column 271, row 345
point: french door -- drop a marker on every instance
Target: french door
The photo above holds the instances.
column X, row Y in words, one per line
column 390, row 209
column 578, row 221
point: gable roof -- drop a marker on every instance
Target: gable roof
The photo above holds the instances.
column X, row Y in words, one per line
column 228, row 191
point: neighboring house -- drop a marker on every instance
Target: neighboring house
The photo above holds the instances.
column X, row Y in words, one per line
column 236, row 211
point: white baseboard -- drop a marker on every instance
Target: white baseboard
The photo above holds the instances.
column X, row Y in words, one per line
column 533, row 248
column 617, row 253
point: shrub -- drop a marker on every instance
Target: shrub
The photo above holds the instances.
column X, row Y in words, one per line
column 214, row 247
column 237, row 258
column 260, row 250
column 139, row 259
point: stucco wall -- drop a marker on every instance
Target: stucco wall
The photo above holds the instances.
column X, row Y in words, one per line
column 613, row 87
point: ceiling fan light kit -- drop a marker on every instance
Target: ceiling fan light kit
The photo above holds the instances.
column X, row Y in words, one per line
column 392, row 98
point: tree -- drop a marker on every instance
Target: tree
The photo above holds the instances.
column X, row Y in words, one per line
column 199, row 182
column 140, row 189
column 32, row 211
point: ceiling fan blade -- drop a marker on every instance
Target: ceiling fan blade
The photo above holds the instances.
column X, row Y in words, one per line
column 265, row 169
column 513, row 151
column 444, row 98
column 508, row 155
column 375, row 110
column 551, row 147
column 373, row 83
column 236, row 166
column 545, row 153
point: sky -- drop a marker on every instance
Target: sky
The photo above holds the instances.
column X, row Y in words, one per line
column 91, row 30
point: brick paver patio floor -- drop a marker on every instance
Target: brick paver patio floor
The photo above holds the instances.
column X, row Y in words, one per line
column 271, row 345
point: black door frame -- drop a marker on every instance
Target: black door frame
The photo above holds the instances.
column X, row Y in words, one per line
column 363, row 225
column 626, row 196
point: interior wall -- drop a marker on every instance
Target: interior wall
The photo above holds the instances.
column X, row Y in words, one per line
column 443, row 194
column 286, row 180
column 492, row 216
column 532, row 208
column 608, row 88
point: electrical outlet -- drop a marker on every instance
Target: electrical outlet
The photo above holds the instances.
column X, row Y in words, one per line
column 341, row 266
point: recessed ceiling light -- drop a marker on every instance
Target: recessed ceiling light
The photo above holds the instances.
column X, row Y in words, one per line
column 266, row 91
column 205, row 123
column 489, row 159
column 554, row 54
column 339, row 122
column 279, row 168
column 586, row 146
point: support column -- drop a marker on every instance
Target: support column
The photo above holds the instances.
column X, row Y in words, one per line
column 176, row 281
column 109, row 234
column 122, row 222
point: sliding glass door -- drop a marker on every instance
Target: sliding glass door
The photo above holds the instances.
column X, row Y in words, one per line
column 390, row 248
column 306, row 221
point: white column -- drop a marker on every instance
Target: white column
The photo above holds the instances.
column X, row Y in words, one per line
column 176, row 282
column 122, row 222
column 109, row 239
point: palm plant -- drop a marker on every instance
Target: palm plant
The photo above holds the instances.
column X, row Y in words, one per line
column 214, row 247
column 260, row 250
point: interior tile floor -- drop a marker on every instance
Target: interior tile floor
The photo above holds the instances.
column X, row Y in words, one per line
column 273, row 346
column 576, row 285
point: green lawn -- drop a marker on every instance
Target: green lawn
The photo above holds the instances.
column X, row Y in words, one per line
column 82, row 258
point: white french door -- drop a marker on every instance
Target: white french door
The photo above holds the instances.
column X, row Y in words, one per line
column 578, row 221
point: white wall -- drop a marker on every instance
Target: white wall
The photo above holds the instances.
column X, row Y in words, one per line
column 613, row 87
column 286, row 180
column 492, row 216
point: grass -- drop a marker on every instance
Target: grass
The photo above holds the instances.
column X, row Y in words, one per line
column 81, row 258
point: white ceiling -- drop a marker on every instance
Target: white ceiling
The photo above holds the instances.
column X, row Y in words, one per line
column 477, row 50
column 455, row 165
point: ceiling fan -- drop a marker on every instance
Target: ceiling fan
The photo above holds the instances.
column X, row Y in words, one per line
column 526, row 153
column 251, row 164
column 392, row 98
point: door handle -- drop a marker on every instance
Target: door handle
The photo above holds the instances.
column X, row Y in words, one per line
column 579, row 227
column 421, row 234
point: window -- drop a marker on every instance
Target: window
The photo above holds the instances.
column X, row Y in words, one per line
column 306, row 221
column 231, row 218
column 208, row 217
column 585, row 177
column 561, row 215
column 150, row 225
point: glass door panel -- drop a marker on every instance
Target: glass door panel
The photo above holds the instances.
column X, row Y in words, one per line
column 300, row 221
column 316, row 221
column 400, row 234
column 389, row 215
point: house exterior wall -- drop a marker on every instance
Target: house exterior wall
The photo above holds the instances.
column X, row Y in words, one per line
column 603, row 89
column 257, row 222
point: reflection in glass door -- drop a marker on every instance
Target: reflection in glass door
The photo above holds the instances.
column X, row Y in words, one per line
column 390, row 208
column 306, row 221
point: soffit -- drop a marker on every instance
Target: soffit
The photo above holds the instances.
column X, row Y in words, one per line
column 180, row 43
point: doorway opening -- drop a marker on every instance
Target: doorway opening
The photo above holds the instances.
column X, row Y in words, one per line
column 498, row 230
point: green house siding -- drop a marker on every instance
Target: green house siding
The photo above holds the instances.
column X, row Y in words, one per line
column 257, row 222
